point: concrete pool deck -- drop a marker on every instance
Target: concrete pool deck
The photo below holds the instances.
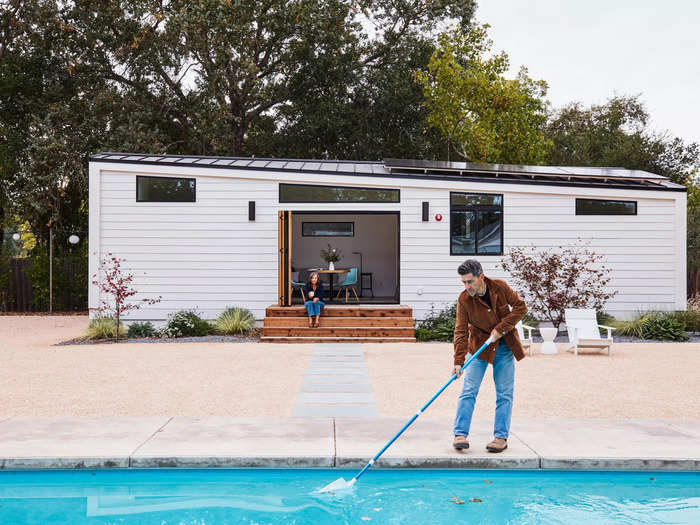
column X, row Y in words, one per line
column 219, row 442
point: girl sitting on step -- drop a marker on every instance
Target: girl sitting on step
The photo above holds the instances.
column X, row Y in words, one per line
column 314, row 299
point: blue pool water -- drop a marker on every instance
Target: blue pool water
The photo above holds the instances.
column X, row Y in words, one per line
column 260, row 496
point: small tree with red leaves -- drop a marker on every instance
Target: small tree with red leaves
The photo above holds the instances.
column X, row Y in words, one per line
column 117, row 284
column 551, row 281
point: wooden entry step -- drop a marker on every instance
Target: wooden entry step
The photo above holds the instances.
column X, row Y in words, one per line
column 340, row 324
column 343, row 311
column 337, row 321
column 337, row 340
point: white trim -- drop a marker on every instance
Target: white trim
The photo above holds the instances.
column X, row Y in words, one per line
column 681, row 247
column 94, row 237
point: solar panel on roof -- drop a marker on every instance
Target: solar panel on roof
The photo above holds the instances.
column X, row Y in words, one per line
column 568, row 171
column 568, row 175
column 379, row 169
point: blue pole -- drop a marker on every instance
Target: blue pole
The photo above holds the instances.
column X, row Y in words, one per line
column 415, row 416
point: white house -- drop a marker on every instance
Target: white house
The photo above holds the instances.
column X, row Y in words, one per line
column 210, row 232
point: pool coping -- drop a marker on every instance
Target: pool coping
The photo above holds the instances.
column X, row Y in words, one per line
column 343, row 443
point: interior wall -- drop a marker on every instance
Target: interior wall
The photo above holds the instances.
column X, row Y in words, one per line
column 376, row 237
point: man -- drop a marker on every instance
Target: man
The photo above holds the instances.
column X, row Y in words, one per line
column 483, row 310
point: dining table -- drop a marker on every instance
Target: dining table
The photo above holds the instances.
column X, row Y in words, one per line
column 330, row 279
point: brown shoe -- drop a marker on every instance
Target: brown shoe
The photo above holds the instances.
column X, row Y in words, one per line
column 497, row 445
column 460, row 443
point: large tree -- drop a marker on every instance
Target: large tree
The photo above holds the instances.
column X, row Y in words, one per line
column 486, row 116
column 618, row 133
column 214, row 69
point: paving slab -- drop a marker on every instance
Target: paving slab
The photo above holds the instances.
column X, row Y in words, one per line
column 335, row 397
column 336, row 411
column 72, row 442
column 336, row 387
column 427, row 443
column 338, row 361
column 358, row 366
column 240, row 442
column 336, row 372
column 336, row 380
column 611, row 444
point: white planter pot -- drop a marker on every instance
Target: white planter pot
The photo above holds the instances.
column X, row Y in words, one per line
column 548, row 346
column 331, row 266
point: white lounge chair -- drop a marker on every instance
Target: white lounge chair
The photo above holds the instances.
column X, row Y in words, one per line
column 583, row 329
column 527, row 343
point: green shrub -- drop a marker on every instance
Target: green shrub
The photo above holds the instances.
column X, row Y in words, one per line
column 690, row 317
column 604, row 318
column 140, row 330
column 661, row 326
column 185, row 323
column 529, row 320
column 103, row 327
column 235, row 320
column 632, row 328
column 438, row 326
column 664, row 328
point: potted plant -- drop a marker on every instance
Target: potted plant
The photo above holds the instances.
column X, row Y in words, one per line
column 331, row 256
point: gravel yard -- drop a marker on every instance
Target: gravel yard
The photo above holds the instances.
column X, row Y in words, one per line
column 640, row 380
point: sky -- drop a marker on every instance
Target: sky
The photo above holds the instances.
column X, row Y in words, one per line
column 591, row 50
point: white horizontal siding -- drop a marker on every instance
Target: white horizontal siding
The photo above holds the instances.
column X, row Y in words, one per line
column 206, row 255
column 632, row 246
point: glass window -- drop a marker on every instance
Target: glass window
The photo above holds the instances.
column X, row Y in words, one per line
column 312, row 193
column 164, row 189
column 605, row 207
column 475, row 199
column 476, row 224
column 328, row 229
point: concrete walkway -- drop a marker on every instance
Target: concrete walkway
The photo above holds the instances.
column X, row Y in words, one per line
column 336, row 384
column 46, row 443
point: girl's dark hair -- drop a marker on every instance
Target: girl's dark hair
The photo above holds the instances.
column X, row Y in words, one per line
column 308, row 281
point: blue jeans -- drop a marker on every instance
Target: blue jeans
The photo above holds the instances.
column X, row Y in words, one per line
column 503, row 378
column 314, row 308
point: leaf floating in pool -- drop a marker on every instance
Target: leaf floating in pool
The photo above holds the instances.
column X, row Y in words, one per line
column 457, row 501
column 365, row 518
column 476, row 500
column 652, row 479
column 488, row 482
column 377, row 509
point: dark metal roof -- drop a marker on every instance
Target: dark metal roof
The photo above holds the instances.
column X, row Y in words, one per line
column 419, row 169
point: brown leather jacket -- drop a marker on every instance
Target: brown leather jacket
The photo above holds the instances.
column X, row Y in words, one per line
column 475, row 320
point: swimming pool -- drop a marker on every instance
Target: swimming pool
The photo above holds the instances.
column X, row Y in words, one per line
column 259, row 496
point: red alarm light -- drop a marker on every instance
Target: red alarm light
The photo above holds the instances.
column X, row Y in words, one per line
column 438, row 217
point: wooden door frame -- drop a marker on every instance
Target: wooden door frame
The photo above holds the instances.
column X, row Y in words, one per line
column 396, row 213
column 284, row 248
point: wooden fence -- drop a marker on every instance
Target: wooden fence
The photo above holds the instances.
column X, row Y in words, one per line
column 693, row 282
column 18, row 295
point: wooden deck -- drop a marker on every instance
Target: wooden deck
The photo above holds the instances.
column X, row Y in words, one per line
column 340, row 324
